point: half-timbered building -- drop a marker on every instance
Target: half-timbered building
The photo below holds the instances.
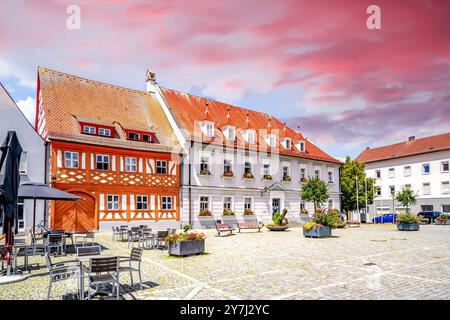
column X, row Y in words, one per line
column 112, row 146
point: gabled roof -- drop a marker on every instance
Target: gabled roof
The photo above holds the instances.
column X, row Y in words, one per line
column 408, row 148
column 69, row 100
column 189, row 109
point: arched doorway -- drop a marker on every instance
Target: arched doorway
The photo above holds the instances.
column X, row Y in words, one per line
column 75, row 216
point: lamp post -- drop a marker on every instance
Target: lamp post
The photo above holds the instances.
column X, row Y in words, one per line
column 357, row 196
column 393, row 203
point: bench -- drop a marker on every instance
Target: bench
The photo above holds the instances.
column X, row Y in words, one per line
column 221, row 227
column 249, row 225
column 353, row 223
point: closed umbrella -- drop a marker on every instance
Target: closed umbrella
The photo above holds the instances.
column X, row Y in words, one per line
column 40, row 191
column 9, row 186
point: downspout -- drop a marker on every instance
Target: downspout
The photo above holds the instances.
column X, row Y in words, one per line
column 189, row 182
column 46, row 180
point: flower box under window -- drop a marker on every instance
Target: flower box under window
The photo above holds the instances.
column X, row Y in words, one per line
column 267, row 177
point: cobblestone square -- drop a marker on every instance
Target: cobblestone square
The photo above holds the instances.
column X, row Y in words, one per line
column 369, row 262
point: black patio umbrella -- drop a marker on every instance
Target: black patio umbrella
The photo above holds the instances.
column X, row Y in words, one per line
column 9, row 186
column 41, row 191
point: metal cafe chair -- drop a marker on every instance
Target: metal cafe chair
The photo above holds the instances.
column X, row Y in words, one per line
column 136, row 259
column 55, row 240
column 103, row 271
column 64, row 270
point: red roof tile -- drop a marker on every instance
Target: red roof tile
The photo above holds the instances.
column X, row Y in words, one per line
column 190, row 109
column 408, row 148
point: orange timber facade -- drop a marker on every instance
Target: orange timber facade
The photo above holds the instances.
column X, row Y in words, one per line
column 111, row 146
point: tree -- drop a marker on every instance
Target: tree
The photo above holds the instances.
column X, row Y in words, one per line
column 315, row 191
column 351, row 172
column 406, row 197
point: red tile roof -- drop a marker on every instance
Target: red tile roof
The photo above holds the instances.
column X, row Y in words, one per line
column 408, row 148
column 68, row 100
column 189, row 109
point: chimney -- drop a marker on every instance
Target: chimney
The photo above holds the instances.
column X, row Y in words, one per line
column 411, row 138
column 367, row 148
column 151, row 81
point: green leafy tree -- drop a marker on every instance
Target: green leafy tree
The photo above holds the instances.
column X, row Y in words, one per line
column 351, row 172
column 315, row 191
column 406, row 197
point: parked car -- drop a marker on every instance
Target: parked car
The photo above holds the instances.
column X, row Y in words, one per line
column 385, row 218
column 430, row 215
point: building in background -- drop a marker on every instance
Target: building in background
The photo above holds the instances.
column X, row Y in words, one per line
column 420, row 164
column 32, row 161
column 239, row 159
column 112, row 146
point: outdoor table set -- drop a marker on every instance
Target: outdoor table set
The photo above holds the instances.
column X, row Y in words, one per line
column 146, row 238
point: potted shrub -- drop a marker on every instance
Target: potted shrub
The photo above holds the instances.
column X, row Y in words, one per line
column 228, row 174
column 443, row 219
column 321, row 224
column 304, row 211
column 279, row 222
column 206, row 219
column 205, row 172
column 186, row 243
column 286, row 178
column 407, row 222
column 248, row 175
column 267, row 177
column 315, row 191
column 303, row 180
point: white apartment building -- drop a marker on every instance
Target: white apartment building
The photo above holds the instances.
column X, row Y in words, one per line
column 420, row 164
column 239, row 159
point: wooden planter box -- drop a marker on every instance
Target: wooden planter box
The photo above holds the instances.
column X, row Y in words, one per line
column 207, row 222
column 277, row 228
column 317, row 232
column 442, row 222
column 230, row 220
column 186, row 248
column 408, row 226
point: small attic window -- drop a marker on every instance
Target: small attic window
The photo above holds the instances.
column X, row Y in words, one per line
column 288, row 144
column 147, row 138
column 134, row 136
column 89, row 130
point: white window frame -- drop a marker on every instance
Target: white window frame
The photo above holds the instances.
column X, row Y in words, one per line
column 209, row 129
column 231, row 203
column 330, row 177
column 423, row 168
column 167, row 203
column 231, row 133
column 89, row 130
column 303, row 173
column 71, row 160
column 266, row 171
column 202, row 202
column 288, row 143
column 227, row 163
column 137, row 136
column 251, row 203
column 378, row 174
column 407, row 173
column 158, row 165
column 204, row 163
column 112, row 204
column 391, row 172
column 129, row 166
column 445, row 190
column 442, row 166
column 250, row 166
column 317, row 174
column 272, row 141
column 23, row 164
column 301, row 146
column 103, row 157
column 429, row 188
column 251, row 136
column 140, row 201
column 284, row 166
column 104, row 132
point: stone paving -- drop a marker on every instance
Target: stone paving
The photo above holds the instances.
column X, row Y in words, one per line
column 369, row 262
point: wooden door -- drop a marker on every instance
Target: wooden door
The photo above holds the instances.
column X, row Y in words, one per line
column 75, row 216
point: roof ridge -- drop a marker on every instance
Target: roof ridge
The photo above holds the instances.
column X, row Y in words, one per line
column 91, row 80
column 217, row 101
column 404, row 142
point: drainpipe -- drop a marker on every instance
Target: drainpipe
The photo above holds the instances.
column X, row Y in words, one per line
column 189, row 182
column 46, row 180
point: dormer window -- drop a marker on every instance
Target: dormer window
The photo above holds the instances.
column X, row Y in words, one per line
column 146, row 138
column 231, row 133
column 134, row 136
column 301, row 146
column 250, row 136
column 287, row 143
column 104, row 132
column 89, row 130
column 209, row 129
column 271, row 140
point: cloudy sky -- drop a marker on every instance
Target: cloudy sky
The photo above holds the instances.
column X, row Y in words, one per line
column 313, row 64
